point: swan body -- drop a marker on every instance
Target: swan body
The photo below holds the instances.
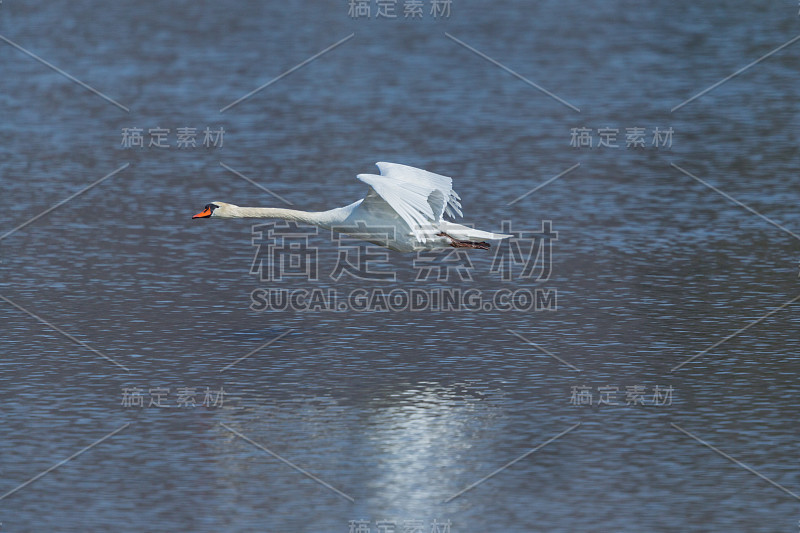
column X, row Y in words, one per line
column 403, row 211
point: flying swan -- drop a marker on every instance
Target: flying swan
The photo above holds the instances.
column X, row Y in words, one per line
column 403, row 211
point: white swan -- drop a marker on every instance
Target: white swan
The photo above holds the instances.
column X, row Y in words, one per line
column 402, row 211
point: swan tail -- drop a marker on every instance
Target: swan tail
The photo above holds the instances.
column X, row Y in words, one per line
column 470, row 234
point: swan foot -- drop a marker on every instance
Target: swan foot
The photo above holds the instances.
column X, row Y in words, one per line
column 457, row 243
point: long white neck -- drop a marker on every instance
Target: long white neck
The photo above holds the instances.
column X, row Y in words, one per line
column 317, row 218
column 274, row 212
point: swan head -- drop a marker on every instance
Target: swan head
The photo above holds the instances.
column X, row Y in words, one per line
column 216, row 210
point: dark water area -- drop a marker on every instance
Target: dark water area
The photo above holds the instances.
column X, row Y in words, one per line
column 362, row 415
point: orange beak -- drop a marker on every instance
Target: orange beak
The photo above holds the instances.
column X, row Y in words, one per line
column 204, row 214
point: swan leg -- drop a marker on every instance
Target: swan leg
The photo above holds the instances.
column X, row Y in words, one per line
column 457, row 243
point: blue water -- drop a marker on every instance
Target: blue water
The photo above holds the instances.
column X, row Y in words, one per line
column 400, row 411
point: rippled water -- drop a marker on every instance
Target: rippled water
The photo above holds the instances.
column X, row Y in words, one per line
column 400, row 411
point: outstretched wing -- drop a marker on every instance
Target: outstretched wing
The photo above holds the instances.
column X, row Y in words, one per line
column 420, row 197
column 450, row 202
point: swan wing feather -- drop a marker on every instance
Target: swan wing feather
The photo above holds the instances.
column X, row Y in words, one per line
column 408, row 200
column 446, row 201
